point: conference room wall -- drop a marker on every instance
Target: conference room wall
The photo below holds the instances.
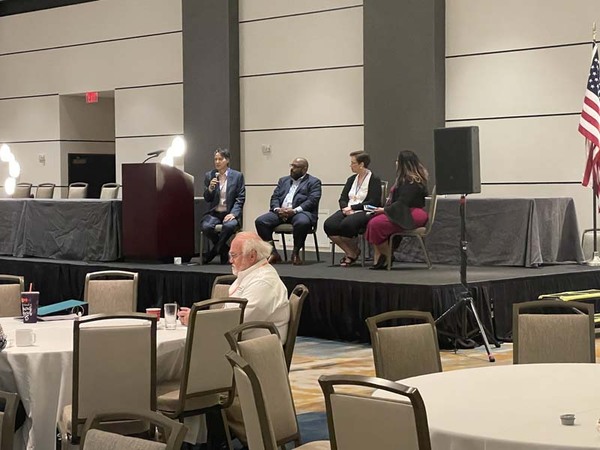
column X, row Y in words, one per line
column 32, row 169
column 301, row 94
column 522, row 82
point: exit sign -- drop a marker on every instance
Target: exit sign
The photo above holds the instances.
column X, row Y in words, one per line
column 91, row 97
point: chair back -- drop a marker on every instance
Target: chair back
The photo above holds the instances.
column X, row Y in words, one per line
column 77, row 190
column 22, row 190
column 297, row 298
column 407, row 350
column 265, row 356
column 220, row 287
column 94, row 438
column 357, row 421
column 114, row 364
column 431, row 210
column 8, row 415
column 111, row 292
column 206, row 346
column 45, row 190
column 109, row 191
column 553, row 331
column 384, row 192
column 257, row 423
column 11, row 287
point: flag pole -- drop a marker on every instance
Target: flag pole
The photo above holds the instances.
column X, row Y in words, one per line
column 595, row 261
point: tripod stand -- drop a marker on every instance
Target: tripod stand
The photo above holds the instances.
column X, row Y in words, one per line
column 465, row 299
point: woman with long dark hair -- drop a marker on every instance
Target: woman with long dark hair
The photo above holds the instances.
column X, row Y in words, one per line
column 403, row 209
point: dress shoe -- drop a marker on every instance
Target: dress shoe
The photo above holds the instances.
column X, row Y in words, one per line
column 381, row 263
column 296, row 260
column 209, row 256
column 274, row 258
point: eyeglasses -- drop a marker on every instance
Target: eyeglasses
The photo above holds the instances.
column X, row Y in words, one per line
column 234, row 255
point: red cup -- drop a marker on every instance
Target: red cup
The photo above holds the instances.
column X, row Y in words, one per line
column 154, row 312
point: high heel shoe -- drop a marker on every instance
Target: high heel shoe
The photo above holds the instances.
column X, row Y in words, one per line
column 380, row 264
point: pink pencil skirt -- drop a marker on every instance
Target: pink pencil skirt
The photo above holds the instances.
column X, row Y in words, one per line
column 380, row 228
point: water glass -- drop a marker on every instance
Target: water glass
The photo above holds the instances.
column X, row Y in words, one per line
column 170, row 316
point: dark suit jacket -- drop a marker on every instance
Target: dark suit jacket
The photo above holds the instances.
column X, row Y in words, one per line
column 236, row 193
column 373, row 194
column 307, row 195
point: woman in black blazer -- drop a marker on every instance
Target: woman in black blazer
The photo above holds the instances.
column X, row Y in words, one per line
column 361, row 189
column 403, row 209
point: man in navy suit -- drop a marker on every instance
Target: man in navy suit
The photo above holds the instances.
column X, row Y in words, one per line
column 296, row 201
column 225, row 193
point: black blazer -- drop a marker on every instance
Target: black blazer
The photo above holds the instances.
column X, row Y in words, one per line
column 307, row 196
column 236, row 193
column 404, row 197
column 373, row 193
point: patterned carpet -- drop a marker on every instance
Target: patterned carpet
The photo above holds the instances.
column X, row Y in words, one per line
column 316, row 357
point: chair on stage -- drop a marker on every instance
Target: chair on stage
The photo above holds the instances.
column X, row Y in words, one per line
column 109, row 191
column 11, row 287
column 404, row 351
column 297, row 297
column 265, row 397
column 207, row 380
column 22, row 190
column 95, row 438
column 8, row 414
column 288, row 228
column 553, row 331
column 111, row 292
column 114, row 364
column 419, row 233
column 358, row 421
column 77, row 190
column 45, row 190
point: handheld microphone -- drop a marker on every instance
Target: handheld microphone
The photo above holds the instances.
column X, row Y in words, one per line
column 153, row 154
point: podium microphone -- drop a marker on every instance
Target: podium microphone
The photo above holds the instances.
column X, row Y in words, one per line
column 152, row 155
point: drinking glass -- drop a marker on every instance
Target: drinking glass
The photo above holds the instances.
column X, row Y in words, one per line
column 170, row 316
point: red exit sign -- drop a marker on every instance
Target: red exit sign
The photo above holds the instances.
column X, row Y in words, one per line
column 91, row 97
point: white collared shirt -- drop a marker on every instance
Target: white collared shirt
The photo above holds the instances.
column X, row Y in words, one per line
column 222, row 206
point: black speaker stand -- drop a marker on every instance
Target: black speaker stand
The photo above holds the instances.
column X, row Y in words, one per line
column 464, row 299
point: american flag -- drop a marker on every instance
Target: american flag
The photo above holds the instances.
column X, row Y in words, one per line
column 589, row 123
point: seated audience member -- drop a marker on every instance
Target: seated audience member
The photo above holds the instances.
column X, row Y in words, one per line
column 225, row 193
column 296, row 201
column 258, row 282
column 362, row 188
column 403, row 209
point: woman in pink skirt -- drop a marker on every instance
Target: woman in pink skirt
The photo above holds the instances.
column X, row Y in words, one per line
column 403, row 209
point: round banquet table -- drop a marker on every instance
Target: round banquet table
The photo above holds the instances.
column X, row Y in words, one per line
column 511, row 407
column 42, row 374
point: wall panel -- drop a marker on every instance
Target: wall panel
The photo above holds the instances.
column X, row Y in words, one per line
column 149, row 111
column 313, row 99
column 30, row 119
column 94, row 21
column 261, row 9
column 268, row 46
column 32, row 170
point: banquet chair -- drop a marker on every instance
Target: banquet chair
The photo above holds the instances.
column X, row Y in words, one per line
column 95, row 438
column 262, row 414
column 384, row 424
column 45, row 190
column 288, row 228
column 220, row 287
column 77, row 190
column 114, row 364
column 207, row 380
column 553, row 331
column 297, row 297
column 8, row 414
column 419, row 233
column 404, row 351
column 11, row 287
column 109, row 191
column 22, row 190
column 111, row 291
column 361, row 234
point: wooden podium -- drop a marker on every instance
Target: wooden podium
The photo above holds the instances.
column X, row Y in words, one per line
column 158, row 212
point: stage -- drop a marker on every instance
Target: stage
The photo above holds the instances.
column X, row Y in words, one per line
column 340, row 298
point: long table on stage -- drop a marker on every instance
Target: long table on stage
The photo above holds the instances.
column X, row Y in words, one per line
column 525, row 232
column 70, row 229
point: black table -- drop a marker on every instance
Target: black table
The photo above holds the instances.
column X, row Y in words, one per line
column 503, row 232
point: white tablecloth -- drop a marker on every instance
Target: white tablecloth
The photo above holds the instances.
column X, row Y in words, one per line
column 42, row 374
column 511, row 407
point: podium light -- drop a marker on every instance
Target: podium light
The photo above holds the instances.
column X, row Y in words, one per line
column 5, row 153
column 9, row 185
column 14, row 169
column 168, row 160
column 178, row 147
